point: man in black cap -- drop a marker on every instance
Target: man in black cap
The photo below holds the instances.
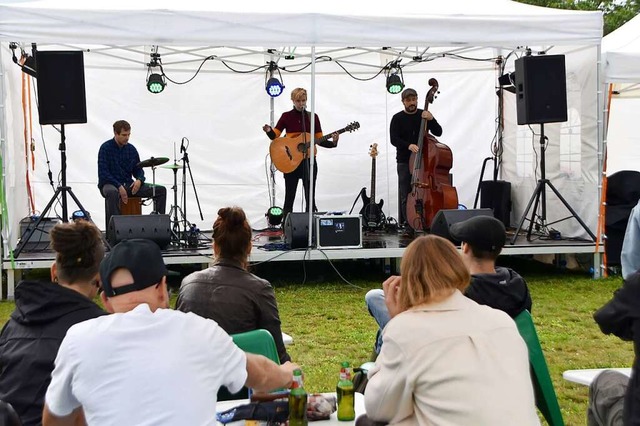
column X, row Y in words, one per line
column 404, row 131
column 147, row 364
column 483, row 238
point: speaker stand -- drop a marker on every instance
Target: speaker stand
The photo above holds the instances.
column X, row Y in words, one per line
column 61, row 192
column 539, row 198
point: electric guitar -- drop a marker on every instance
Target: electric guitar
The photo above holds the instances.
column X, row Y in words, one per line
column 287, row 153
column 371, row 212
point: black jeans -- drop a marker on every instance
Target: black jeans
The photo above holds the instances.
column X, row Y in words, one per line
column 404, row 188
column 291, row 186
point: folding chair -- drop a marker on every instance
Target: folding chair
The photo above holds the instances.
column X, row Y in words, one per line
column 256, row 342
column 546, row 399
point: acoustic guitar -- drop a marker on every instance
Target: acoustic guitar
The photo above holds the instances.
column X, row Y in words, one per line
column 287, row 153
column 372, row 215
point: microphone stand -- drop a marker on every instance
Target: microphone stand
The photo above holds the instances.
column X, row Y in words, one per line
column 186, row 167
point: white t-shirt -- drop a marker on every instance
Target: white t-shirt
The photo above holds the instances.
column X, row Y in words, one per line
column 145, row 368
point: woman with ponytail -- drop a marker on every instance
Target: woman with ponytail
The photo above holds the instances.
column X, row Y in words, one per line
column 227, row 292
column 44, row 312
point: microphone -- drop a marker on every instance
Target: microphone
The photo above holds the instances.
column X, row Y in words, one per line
column 182, row 146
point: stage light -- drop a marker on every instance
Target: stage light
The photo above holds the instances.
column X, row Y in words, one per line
column 395, row 80
column 273, row 85
column 274, row 216
column 394, row 84
column 508, row 81
column 27, row 63
column 155, row 83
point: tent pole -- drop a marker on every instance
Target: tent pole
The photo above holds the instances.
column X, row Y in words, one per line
column 312, row 147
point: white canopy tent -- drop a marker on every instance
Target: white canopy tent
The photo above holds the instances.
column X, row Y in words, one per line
column 621, row 63
column 221, row 112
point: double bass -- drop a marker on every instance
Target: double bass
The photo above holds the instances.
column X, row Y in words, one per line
column 431, row 189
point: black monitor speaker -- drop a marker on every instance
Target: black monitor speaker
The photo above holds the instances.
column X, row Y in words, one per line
column 541, row 89
column 443, row 220
column 61, row 91
column 154, row 227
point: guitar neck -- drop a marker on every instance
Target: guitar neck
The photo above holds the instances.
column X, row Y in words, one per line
column 326, row 137
column 373, row 180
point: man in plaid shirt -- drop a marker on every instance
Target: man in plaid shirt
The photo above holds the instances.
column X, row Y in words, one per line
column 117, row 160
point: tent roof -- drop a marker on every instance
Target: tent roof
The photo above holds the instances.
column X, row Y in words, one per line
column 621, row 53
column 494, row 23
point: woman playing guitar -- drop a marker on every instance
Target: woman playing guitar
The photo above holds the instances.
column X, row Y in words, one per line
column 294, row 123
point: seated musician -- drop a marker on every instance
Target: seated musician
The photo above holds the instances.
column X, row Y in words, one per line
column 291, row 123
column 117, row 164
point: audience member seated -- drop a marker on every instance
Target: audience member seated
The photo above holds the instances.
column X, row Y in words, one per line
column 483, row 238
column 147, row 364
column 621, row 317
column 446, row 360
column 227, row 292
column 44, row 312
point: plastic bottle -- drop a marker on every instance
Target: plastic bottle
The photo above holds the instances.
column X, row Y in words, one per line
column 344, row 390
column 298, row 401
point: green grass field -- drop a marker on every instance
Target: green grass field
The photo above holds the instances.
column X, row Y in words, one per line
column 329, row 323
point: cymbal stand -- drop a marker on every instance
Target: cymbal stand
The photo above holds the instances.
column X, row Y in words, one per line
column 153, row 189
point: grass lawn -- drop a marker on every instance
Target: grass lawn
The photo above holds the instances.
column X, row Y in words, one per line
column 329, row 322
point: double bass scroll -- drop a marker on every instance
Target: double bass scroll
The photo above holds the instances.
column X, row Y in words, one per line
column 431, row 189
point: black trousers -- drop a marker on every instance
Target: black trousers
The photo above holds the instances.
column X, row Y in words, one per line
column 291, row 186
column 404, row 188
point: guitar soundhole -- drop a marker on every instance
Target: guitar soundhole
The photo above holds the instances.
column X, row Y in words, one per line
column 302, row 147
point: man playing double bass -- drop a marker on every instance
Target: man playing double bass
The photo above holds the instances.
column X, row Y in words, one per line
column 404, row 131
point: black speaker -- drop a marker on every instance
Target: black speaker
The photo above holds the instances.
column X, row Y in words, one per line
column 296, row 230
column 61, row 92
column 496, row 195
column 445, row 218
column 154, row 227
column 40, row 240
column 541, row 89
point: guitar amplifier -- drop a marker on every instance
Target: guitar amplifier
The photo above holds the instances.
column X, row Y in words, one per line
column 339, row 231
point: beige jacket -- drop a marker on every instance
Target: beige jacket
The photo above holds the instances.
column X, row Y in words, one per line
column 452, row 363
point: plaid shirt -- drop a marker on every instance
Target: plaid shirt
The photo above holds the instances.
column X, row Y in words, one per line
column 117, row 164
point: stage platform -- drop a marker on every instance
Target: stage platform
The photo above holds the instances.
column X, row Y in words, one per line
column 269, row 246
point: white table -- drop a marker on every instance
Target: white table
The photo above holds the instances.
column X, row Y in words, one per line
column 359, row 406
column 585, row 377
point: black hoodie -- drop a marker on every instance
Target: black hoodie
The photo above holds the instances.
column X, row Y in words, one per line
column 30, row 340
column 504, row 290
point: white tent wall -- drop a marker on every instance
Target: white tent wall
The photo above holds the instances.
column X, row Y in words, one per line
column 571, row 154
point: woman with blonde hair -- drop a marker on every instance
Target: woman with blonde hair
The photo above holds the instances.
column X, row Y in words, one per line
column 446, row 360
column 227, row 292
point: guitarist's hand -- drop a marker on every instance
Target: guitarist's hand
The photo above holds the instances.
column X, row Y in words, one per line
column 413, row 148
column 334, row 137
column 266, row 128
column 427, row 115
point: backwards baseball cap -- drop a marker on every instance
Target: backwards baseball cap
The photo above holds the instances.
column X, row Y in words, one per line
column 142, row 258
column 482, row 232
column 408, row 92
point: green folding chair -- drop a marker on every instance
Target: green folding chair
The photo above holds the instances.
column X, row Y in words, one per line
column 255, row 342
column 546, row 399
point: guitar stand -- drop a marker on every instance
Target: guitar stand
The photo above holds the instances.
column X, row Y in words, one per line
column 539, row 198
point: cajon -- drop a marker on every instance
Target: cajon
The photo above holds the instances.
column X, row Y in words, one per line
column 133, row 206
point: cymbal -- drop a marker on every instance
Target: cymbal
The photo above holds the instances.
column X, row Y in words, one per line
column 152, row 162
column 171, row 166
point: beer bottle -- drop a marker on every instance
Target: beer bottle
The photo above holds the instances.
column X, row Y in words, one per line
column 344, row 390
column 297, row 401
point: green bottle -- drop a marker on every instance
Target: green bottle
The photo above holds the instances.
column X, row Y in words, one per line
column 344, row 390
column 297, row 401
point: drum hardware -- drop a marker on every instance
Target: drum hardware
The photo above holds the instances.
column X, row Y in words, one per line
column 153, row 162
